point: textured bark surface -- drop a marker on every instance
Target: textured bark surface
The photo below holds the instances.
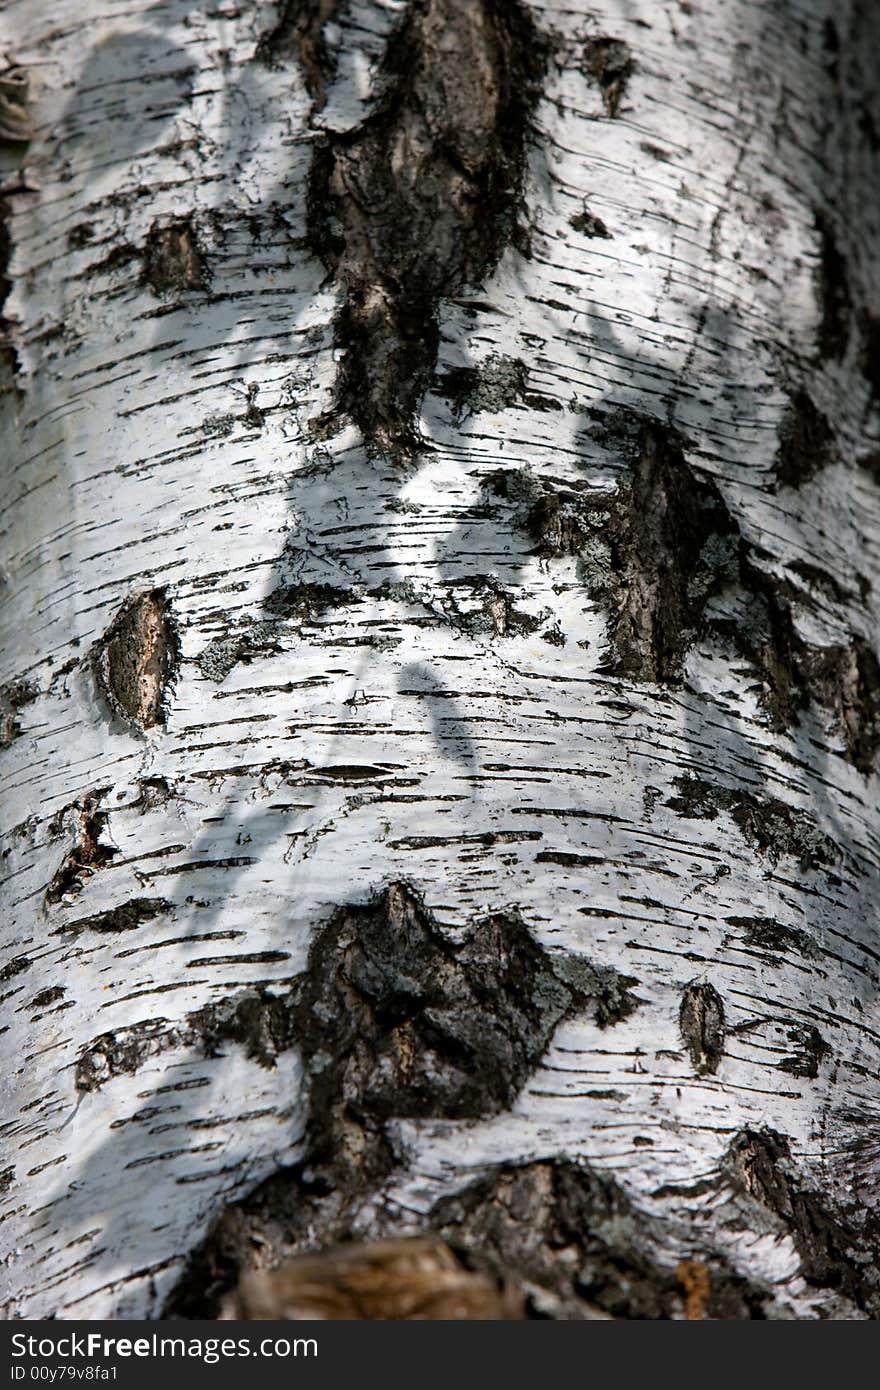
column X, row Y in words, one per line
column 440, row 702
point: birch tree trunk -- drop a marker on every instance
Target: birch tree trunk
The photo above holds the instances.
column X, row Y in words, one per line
column 441, row 557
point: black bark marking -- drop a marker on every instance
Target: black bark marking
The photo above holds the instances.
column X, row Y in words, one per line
column 805, row 442
column 89, row 853
column 480, row 605
column 257, row 1020
column 299, row 32
column 610, row 64
column 421, row 199
column 834, row 1253
column 869, row 356
column 125, row 917
column 766, row 934
column 14, row 696
column 672, row 545
column 701, row 1020
column 14, row 967
column 136, row 659
column 846, row 680
column 174, row 262
column 809, row 1049
column 45, row 997
column 833, row 291
column 654, row 551
column 9, row 360
column 588, row 224
column 769, row 826
column 306, row 602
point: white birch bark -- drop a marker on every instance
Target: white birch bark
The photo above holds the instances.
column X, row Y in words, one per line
column 454, row 717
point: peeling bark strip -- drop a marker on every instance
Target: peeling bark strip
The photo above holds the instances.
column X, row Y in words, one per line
column 701, row 1019
column 421, row 199
column 136, row 659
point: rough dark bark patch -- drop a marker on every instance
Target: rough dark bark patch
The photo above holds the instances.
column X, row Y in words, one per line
column 672, row 544
column 14, row 967
column 581, row 1246
column 89, row 852
column 653, row 553
column 805, row 442
column 869, row 356
column 834, row 1253
column 136, row 659
column 173, row 260
column 846, row 680
column 701, row 1020
column 567, row 1238
column 420, row 200
column 610, row 64
column 300, row 604
column 773, row 829
column 45, row 997
column 14, row 696
column 306, row 602
column 395, row 1020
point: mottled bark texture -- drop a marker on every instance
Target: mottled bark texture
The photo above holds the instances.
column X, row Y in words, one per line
column 440, row 700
